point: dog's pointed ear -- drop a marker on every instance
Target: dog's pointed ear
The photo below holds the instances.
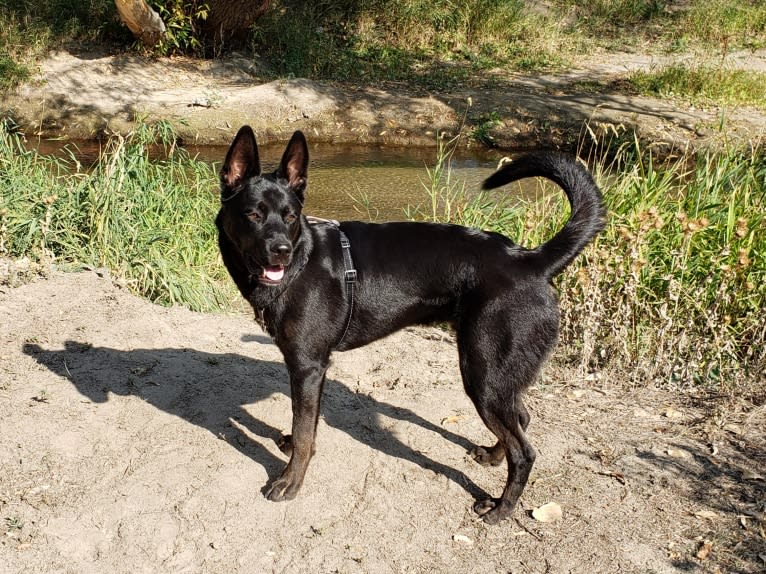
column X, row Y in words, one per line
column 241, row 160
column 295, row 164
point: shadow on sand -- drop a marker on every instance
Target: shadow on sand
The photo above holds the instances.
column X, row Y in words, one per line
column 210, row 390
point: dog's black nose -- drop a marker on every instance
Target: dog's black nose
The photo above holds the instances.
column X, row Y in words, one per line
column 281, row 249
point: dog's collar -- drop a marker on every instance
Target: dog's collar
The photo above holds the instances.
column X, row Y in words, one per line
column 349, row 276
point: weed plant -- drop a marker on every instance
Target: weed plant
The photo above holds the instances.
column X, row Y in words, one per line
column 673, row 291
column 150, row 221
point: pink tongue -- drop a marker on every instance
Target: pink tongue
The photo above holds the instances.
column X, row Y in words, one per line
column 274, row 273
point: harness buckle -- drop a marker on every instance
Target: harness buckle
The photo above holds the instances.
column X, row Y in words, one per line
column 350, row 276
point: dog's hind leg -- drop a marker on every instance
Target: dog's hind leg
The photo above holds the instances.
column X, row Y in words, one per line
column 502, row 344
column 500, row 407
column 494, row 455
column 520, row 456
column 306, row 382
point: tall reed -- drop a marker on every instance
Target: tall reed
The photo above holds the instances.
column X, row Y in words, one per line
column 676, row 283
column 673, row 291
column 150, row 221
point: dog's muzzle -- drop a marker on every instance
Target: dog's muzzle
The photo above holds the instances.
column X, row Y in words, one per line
column 280, row 256
column 272, row 275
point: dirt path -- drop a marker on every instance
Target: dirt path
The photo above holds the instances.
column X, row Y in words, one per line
column 86, row 95
column 137, row 438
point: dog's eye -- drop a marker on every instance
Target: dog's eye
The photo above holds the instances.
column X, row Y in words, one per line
column 253, row 215
column 290, row 218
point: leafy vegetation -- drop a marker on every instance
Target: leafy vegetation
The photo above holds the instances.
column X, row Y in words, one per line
column 181, row 18
column 148, row 220
column 673, row 290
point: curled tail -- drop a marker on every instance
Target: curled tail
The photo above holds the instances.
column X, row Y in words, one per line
column 587, row 217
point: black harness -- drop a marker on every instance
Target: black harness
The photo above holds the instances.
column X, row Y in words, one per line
column 349, row 276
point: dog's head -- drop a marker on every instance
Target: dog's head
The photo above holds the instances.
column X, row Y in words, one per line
column 261, row 213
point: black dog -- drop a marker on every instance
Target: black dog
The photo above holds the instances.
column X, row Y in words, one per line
column 300, row 278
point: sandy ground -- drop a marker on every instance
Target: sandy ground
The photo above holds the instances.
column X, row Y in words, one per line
column 137, row 438
column 84, row 95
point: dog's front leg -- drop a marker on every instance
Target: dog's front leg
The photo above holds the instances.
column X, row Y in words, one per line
column 306, row 382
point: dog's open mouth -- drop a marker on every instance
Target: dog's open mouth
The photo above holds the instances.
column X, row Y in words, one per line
column 272, row 275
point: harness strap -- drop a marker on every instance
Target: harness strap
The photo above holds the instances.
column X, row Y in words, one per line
column 349, row 280
column 349, row 277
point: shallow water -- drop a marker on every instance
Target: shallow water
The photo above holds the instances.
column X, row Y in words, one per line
column 371, row 182
column 364, row 182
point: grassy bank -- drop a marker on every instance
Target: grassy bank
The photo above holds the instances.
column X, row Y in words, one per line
column 442, row 43
column 703, row 85
column 672, row 292
column 149, row 221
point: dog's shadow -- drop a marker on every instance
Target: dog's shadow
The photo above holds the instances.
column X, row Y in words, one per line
column 210, row 389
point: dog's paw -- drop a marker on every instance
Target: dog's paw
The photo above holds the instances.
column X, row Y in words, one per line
column 281, row 489
column 487, row 456
column 492, row 510
column 285, row 444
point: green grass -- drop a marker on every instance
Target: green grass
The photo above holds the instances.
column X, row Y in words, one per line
column 436, row 44
column 613, row 18
column 726, row 24
column 703, row 85
column 673, row 291
column 666, row 26
column 149, row 221
column 11, row 72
